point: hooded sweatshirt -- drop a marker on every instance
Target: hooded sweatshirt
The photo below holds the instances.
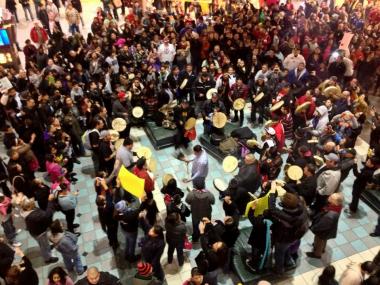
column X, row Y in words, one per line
column 322, row 120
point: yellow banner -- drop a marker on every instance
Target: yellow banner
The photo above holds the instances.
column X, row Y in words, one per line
column 131, row 183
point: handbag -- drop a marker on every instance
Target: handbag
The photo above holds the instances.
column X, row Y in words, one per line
column 187, row 245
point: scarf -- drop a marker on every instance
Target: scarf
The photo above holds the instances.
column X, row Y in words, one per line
column 333, row 208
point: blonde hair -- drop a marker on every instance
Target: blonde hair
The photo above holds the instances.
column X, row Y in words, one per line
column 28, row 204
column 338, row 198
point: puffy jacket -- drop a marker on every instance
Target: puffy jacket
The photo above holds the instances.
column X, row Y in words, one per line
column 289, row 225
column 325, row 224
column 175, row 234
column 37, row 221
column 65, row 243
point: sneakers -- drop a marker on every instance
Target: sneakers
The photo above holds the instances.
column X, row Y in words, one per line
column 18, row 231
column 51, row 260
column 16, row 244
column 374, row 234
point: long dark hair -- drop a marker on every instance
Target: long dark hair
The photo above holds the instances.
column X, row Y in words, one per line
column 60, row 271
column 327, row 275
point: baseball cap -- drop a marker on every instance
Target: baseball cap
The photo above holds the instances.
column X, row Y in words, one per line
column 332, row 157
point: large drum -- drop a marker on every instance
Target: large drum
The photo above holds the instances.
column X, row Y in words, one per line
column 220, row 185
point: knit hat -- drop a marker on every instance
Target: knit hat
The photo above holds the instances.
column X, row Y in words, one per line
column 120, row 206
column 144, row 269
column 121, row 95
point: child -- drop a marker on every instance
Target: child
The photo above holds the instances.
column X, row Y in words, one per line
column 66, row 243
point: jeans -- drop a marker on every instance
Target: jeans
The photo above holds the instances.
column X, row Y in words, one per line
column 44, row 245
column 211, row 277
column 281, row 254
column 73, row 262
column 70, row 216
column 9, row 230
column 73, row 28
column 196, row 233
column 259, row 108
column 26, row 11
column 130, row 244
column 179, row 249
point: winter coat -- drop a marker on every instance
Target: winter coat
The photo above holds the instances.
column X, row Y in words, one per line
column 65, row 243
column 307, row 189
column 175, row 234
column 325, row 224
column 289, row 225
column 328, row 181
column 200, row 202
column 38, row 35
column 152, row 249
column 37, row 221
column 248, row 177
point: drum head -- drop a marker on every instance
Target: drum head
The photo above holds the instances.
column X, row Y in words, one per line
column 230, row 163
column 220, row 185
column 144, row 152
column 277, row 106
column 119, row 124
column 137, row 112
column 219, row 120
column 210, row 92
column 295, row 172
column 239, row 104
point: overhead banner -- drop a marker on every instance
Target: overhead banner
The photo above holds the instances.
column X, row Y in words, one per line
column 131, row 183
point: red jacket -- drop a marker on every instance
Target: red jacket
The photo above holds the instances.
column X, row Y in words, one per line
column 310, row 112
column 143, row 174
column 34, row 35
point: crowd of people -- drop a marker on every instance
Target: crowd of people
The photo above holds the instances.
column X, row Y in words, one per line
column 308, row 93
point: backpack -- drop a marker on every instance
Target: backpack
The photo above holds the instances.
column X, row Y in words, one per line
column 228, row 146
column 86, row 138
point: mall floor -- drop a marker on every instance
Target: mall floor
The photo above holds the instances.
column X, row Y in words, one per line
column 353, row 243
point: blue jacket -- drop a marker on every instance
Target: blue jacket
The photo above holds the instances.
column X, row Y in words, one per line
column 67, row 244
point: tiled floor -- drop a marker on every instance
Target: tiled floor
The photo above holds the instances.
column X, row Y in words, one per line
column 353, row 242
